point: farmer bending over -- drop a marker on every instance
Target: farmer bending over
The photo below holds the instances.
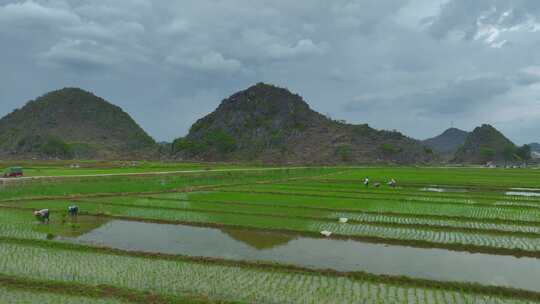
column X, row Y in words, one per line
column 73, row 210
column 366, row 182
column 42, row 215
column 392, row 183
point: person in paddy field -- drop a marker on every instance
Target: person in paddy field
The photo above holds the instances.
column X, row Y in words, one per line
column 43, row 215
column 73, row 211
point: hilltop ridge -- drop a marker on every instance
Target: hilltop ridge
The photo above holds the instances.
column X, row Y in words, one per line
column 271, row 124
column 485, row 143
column 71, row 123
column 448, row 142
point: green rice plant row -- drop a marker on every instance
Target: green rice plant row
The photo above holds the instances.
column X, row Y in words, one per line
column 169, row 277
column 260, row 209
column 313, row 226
column 147, row 183
column 8, row 295
column 473, row 177
column 396, row 197
column 407, row 207
column 400, row 192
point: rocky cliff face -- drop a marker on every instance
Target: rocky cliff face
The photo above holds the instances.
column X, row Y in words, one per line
column 271, row 124
column 72, row 123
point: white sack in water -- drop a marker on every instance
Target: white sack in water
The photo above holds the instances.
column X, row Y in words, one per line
column 326, row 233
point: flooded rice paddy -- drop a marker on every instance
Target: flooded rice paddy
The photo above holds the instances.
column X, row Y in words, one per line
column 314, row 253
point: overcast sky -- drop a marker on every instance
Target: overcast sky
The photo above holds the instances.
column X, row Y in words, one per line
column 412, row 65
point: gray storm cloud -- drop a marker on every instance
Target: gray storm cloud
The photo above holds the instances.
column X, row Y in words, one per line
column 399, row 64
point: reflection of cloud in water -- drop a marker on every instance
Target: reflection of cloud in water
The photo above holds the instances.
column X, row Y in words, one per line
column 441, row 190
column 340, row 255
column 499, row 281
column 522, row 193
column 258, row 239
column 525, row 189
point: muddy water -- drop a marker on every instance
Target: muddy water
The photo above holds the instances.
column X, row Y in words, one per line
column 523, row 193
column 316, row 253
column 441, row 190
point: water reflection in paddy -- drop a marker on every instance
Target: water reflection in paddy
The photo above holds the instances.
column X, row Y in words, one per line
column 341, row 255
column 441, row 190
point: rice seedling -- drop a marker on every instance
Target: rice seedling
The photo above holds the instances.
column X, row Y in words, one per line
column 217, row 281
column 8, row 295
column 371, row 230
column 292, row 211
column 374, row 205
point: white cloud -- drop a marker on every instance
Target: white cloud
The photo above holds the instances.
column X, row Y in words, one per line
column 262, row 44
column 176, row 27
column 211, row 61
column 30, row 14
column 302, row 47
column 80, row 53
column 114, row 31
column 491, row 21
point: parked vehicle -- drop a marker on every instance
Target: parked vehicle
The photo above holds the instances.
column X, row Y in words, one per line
column 13, row 172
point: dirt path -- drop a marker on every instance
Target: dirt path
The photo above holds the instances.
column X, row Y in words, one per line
column 6, row 180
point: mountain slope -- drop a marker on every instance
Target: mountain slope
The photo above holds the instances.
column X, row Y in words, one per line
column 535, row 147
column 71, row 123
column 484, row 144
column 448, row 142
column 271, row 124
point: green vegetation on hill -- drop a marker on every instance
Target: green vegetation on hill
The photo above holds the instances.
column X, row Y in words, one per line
column 71, row 123
column 271, row 124
column 218, row 140
column 487, row 144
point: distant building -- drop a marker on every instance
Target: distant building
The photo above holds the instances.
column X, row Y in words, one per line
column 491, row 165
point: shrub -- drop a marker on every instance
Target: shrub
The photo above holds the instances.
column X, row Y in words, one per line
column 524, row 152
column 55, row 147
column 219, row 140
column 222, row 141
column 181, row 144
column 428, row 150
column 388, row 148
column 487, row 154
